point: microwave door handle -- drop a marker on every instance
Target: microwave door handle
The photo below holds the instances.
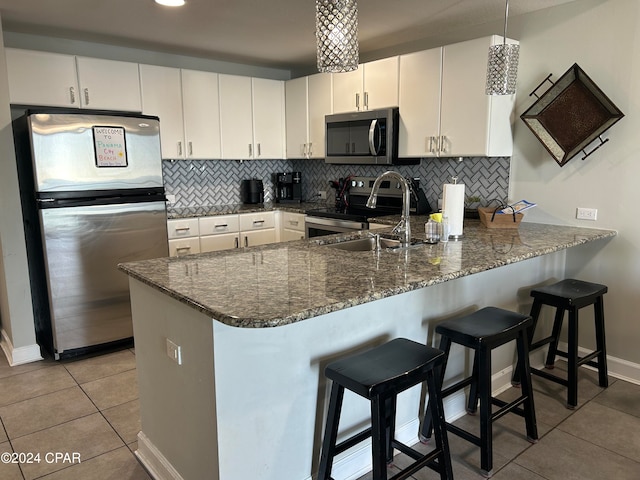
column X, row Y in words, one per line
column 372, row 130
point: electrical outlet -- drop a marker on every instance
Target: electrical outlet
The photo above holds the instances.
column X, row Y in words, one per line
column 587, row 214
column 174, row 352
column 323, row 194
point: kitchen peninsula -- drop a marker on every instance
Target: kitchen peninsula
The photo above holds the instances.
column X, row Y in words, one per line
column 245, row 395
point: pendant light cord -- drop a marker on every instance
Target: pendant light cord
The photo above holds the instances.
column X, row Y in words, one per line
column 506, row 15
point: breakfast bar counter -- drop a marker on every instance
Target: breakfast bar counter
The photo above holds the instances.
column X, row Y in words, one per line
column 231, row 346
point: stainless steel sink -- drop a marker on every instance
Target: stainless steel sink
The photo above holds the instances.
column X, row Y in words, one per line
column 367, row 244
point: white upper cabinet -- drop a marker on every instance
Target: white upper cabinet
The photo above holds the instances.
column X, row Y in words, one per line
column 444, row 110
column 419, row 101
column 308, row 100
column 108, row 84
column 373, row 85
column 268, row 118
column 251, row 117
column 236, row 127
column 39, row 78
column 471, row 122
column 162, row 97
column 56, row 80
column 186, row 102
column 201, row 112
column 320, row 105
column 297, row 117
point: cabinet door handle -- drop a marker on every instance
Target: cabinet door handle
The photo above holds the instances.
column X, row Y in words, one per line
column 250, row 150
column 294, row 223
column 190, row 149
column 182, row 229
column 310, row 150
column 237, row 242
column 258, row 222
column 72, row 95
column 357, row 101
column 443, row 143
column 366, row 100
column 86, row 96
column 180, row 149
column 183, row 249
column 353, row 147
column 304, row 150
column 222, row 225
column 246, row 241
column 430, row 148
column 259, row 150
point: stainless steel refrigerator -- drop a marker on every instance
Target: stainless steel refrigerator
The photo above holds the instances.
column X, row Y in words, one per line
column 92, row 197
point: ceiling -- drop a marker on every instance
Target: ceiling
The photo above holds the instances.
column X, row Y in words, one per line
column 274, row 33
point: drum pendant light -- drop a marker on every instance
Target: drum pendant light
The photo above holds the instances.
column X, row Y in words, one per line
column 502, row 67
column 337, row 35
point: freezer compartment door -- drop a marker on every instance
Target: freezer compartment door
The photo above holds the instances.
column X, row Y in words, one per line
column 89, row 152
column 88, row 295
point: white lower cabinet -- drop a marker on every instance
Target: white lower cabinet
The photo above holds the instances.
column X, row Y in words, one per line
column 219, row 232
column 214, row 243
column 292, row 226
column 257, row 228
column 258, row 237
column 184, row 236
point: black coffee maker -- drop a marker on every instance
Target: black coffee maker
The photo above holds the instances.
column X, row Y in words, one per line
column 288, row 187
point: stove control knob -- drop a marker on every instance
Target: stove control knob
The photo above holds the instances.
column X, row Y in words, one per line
column 353, row 183
column 398, row 187
column 360, row 184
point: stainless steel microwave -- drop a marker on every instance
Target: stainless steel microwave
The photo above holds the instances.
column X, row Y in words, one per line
column 367, row 137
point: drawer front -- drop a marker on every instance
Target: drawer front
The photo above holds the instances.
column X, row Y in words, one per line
column 184, row 246
column 183, row 227
column 293, row 221
column 260, row 237
column 219, row 224
column 257, row 221
column 224, row 241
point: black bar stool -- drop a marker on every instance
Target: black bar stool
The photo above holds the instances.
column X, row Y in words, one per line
column 379, row 375
column 569, row 295
column 483, row 331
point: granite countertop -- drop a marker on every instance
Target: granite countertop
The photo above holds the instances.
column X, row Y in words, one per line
column 284, row 283
column 210, row 210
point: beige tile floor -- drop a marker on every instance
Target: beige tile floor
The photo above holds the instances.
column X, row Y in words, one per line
column 90, row 406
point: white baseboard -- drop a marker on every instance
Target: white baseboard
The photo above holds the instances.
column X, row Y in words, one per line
column 20, row 355
column 155, row 463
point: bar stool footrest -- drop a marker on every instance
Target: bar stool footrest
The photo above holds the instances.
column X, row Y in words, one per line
column 352, row 441
column 507, row 407
column 422, row 460
column 549, row 376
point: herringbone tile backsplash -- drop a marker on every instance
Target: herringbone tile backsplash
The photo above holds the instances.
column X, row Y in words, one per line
column 217, row 182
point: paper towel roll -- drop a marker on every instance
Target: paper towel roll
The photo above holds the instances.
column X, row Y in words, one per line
column 453, row 207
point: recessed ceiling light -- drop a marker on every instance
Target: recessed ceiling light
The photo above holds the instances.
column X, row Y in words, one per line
column 170, row 3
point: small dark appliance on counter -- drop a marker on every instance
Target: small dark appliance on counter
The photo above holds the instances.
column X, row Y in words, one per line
column 288, row 187
column 251, row 191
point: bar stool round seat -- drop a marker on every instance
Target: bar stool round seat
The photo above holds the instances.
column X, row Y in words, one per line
column 483, row 331
column 379, row 375
column 570, row 296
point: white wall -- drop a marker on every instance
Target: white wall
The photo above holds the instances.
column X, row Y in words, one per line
column 603, row 38
column 16, row 315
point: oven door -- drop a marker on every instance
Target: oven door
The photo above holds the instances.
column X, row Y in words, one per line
column 317, row 226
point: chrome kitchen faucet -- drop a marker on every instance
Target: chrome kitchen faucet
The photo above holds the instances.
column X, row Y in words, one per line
column 403, row 228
